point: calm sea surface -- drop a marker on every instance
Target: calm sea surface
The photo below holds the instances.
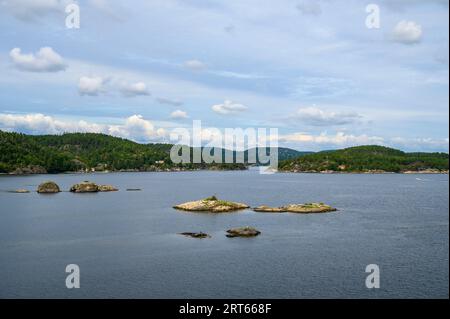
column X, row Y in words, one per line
column 126, row 243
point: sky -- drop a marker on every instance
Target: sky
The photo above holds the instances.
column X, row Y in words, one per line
column 311, row 68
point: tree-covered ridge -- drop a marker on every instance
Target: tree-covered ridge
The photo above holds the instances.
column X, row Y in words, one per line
column 86, row 151
column 365, row 159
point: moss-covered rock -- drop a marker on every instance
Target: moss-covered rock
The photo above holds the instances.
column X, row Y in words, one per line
column 297, row 208
column 309, row 208
column 211, row 204
column 85, row 187
column 48, row 188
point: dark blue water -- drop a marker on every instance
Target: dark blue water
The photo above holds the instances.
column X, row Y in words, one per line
column 127, row 246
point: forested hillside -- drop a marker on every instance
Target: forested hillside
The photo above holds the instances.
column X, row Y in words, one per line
column 367, row 158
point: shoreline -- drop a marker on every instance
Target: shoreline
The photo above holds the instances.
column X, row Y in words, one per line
column 425, row 172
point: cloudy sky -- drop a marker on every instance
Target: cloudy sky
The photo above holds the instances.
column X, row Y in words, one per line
column 311, row 68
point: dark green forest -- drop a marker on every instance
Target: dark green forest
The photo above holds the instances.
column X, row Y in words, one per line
column 367, row 158
column 87, row 151
column 20, row 153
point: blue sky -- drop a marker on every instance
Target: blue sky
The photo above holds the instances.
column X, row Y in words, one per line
column 311, row 68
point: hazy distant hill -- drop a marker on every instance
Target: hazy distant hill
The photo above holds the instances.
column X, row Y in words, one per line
column 367, row 158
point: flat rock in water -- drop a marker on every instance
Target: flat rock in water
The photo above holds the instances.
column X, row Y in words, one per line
column 309, row 208
column 297, row 208
column 85, row 187
column 268, row 209
column 21, row 191
column 107, row 188
column 211, row 204
column 243, row 232
column 48, row 188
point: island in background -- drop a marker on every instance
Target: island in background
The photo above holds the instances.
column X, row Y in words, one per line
column 90, row 152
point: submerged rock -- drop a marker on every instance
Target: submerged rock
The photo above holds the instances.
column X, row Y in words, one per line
column 85, row 187
column 107, row 188
column 211, row 204
column 243, row 232
column 48, row 188
column 196, row 235
column 309, row 208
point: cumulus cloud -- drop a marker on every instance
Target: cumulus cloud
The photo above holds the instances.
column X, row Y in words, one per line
column 228, row 107
column 407, row 32
column 45, row 60
column 195, row 65
column 135, row 89
column 166, row 101
column 138, row 129
column 317, row 117
column 178, row 115
column 134, row 127
column 92, row 86
column 310, row 7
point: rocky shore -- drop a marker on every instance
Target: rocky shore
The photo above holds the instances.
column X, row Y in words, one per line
column 425, row 171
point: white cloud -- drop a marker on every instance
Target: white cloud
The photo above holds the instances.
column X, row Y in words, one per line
column 134, row 127
column 92, row 86
column 179, row 114
column 338, row 139
column 310, row 7
column 138, row 129
column 407, row 32
column 195, row 65
column 135, row 89
column 423, row 144
column 162, row 100
column 228, row 107
column 45, row 60
column 342, row 140
column 317, row 117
